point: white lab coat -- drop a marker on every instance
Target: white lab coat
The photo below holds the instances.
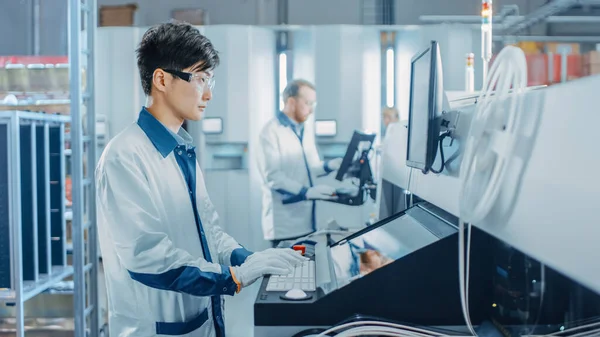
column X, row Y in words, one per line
column 159, row 282
column 288, row 167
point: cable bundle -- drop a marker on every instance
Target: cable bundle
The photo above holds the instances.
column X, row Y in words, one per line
column 488, row 150
column 377, row 328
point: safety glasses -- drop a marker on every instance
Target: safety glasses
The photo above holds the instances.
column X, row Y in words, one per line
column 202, row 81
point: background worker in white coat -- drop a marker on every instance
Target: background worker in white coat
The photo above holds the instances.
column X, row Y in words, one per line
column 166, row 259
column 289, row 164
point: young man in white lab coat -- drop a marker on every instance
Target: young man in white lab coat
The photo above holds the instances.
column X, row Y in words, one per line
column 289, row 164
column 167, row 261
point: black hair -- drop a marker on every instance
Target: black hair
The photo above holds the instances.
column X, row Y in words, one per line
column 173, row 45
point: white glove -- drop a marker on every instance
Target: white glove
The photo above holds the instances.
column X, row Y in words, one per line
column 322, row 192
column 259, row 266
column 334, row 164
column 288, row 255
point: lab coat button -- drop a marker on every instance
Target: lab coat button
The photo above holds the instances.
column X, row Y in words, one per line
column 179, row 152
column 224, row 289
column 190, row 155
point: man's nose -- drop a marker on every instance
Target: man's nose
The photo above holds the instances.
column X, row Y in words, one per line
column 207, row 95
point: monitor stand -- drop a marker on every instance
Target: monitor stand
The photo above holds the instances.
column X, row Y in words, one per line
column 366, row 184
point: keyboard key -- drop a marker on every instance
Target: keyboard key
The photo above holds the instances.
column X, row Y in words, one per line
column 302, row 277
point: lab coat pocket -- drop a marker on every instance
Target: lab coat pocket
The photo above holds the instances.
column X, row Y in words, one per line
column 182, row 328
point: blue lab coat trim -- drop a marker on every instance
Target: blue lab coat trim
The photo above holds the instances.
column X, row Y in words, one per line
column 284, row 192
column 189, row 280
column 296, row 198
column 326, row 168
column 158, row 134
column 185, row 155
column 186, row 159
column 183, row 328
column 239, row 256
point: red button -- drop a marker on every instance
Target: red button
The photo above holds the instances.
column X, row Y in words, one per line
column 300, row 248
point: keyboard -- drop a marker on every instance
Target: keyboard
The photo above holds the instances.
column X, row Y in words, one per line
column 303, row 277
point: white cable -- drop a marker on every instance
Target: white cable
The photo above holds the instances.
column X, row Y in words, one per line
column 591, row 333
column 591, row 325
column 461, row 271
column 490, row 138
column 381, row 324
column 378, row 331
column 488, row 149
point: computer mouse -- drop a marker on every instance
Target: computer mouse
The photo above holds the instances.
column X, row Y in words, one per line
column 296, row 294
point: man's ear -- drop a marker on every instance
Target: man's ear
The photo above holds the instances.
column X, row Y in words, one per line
column 161, row 80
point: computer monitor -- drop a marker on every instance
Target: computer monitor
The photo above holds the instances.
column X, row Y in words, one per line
column 425, row 106
column 360, row 144
column 212, row 125
column 326, row 128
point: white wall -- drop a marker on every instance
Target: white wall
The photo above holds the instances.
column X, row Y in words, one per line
column 119, row 94
column 455, row 42
column 232, row 80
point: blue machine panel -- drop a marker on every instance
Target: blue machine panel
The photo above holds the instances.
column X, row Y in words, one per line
column 4, row 210
column 27, row 204
column 56, row 185
column 43, row 235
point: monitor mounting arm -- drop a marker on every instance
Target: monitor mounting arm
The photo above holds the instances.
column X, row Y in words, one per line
column 361, row 169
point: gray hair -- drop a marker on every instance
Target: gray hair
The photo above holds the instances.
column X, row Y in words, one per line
column 293, row 87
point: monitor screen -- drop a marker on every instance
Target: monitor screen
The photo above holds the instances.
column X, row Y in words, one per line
column 418, row 124
column 325, row 128
column 360, row 142
column 212, row 125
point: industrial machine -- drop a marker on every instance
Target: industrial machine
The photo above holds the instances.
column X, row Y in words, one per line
column 525, row 265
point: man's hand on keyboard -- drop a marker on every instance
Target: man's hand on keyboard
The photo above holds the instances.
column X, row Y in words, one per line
column 256, row 266
column 290, row 256
column 303, row 277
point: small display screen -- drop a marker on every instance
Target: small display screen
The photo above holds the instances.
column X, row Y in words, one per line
column 419, row 111
column 326, row 128
column 212, row 125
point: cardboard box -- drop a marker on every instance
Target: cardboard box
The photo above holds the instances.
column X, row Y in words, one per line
column 117, row 15
column 557, row 48
column 592, row 57
column 591, row 69
column 529, row 47
column 196, row 17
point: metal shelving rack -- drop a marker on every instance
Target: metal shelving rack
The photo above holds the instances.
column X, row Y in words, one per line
column 33, row 231
column 32, row 204
column 82, row 28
